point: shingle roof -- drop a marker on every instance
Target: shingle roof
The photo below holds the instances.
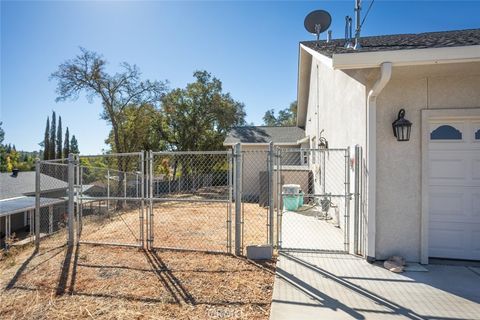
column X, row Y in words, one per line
column 24, row 183
column 264, row 134
column 456, row 38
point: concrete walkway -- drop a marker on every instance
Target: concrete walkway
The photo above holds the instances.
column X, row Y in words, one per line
column 341, row 286
column 306, row 231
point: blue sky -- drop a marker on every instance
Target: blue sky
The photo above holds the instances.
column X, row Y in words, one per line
column 251, row 46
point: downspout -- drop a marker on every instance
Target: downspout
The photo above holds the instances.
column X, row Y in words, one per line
column 385, row 74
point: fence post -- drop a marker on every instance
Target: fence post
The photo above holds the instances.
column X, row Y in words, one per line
column 142, row 201
column 36, row 221
column 347, row 199
column 71, row 191
column 356, row 209
column 271, row 169
column 238, row 199
column 151, row 216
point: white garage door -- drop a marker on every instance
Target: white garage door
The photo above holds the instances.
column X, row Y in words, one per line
column 454, row 189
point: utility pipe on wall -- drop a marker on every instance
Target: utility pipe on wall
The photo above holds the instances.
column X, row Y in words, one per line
column 385, row 75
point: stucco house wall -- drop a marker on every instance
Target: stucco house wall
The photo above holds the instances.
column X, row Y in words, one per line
column 398, row 204
column 341, row 100
column 336, row 105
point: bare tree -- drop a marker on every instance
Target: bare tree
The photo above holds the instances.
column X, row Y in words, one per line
column 86, row 73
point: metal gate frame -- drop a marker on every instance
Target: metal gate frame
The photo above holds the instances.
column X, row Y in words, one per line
column 77, row 176
column 235, row 174
column 150, row 221
column 346, row 195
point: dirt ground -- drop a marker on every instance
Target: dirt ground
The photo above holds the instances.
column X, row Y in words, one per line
column 176, row 224
column 102, row 282
column 106, row 282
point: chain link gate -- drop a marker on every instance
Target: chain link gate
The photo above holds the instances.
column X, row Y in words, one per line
column 109, row 199
column 195, row 200
column 313, row 199
column 190, row 200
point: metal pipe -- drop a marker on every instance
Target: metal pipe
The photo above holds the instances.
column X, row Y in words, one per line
column 71, row 191
column 189, row 152
column 231, row 158
column 108, row 191
column 279, row 198
column 142, row 201
column 271, row 159
column 151, row 213
column 358, row 9
column 37, row 204
column 347, row 200
column 356, row 213
column 238, row 198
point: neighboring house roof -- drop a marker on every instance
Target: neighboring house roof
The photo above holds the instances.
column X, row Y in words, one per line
column 264, row 135
column 24, row 184
column 457, row 38
column 22, row 204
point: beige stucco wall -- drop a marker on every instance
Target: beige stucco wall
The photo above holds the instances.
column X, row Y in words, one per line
column 337, row 105
column 341, row 99
column 398, row 208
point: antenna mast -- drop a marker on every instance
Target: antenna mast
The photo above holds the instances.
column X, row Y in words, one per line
column 358, row 24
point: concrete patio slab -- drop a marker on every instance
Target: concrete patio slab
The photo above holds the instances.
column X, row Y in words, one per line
column 306, row 231
column 342, row 286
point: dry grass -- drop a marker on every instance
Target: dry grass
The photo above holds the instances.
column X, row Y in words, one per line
column 185, row 225
column 103, row 282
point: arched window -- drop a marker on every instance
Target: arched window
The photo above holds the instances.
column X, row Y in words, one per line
column 446, row 132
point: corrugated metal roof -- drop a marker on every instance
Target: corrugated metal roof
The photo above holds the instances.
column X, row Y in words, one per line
column 264, row 134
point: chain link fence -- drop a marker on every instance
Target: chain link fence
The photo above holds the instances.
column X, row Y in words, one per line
column 292, row 199
column 110, row 199
column 190, row 200
column 51, row 220
column 256, row 194
column 313, row 192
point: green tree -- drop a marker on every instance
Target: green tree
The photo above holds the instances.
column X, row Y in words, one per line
column 74, row 145
column 53, row 140
column 286, row 117
column 199, row 116
column 66, row 146
column 3, row 154
column 140, row 129
column 86, row 74
column 2, row 134
column 59, row 139
column 46, row 141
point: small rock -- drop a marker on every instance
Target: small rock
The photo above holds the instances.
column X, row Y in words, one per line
column 395, row 264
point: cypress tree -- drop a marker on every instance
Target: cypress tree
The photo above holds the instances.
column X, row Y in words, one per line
column 66, row 147
column 74, row 145
column 46, row 141
column 53, row 140
column 59, row 139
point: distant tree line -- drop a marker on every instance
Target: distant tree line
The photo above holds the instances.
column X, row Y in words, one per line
column 53, row 145
column 285, row 117
column 11, row 159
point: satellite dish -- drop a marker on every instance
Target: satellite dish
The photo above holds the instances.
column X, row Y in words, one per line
column 317, row 22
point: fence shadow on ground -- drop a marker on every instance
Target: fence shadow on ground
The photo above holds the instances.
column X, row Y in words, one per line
column 73, row 271
column 326, row 301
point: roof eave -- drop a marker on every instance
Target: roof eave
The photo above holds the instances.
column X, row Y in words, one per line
column 362, row 60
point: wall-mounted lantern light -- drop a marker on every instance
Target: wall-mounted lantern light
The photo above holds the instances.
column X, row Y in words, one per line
column 401, row 127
